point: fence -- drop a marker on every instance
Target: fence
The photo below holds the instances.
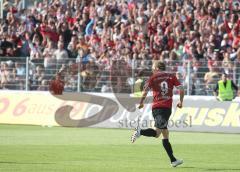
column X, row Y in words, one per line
column 19, row 5
column 117, row 76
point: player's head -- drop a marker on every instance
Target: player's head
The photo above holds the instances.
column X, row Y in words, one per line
column 158, row 66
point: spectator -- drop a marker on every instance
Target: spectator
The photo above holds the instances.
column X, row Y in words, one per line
column 210, row 80
column 72, row 47
column 20, row 69
column 35, row 48
column 106, row 88
column 44, row 85
column 49, row 59
column 61, row 55
column 37, row 77
column 225, row 90
column 8, row 75
column 139, row 84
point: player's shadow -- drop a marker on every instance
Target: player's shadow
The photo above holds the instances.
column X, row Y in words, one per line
column 10, row 162
column 213, row 169
column 225, row 169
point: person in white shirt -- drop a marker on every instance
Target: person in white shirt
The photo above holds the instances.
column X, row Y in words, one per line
column 61, row 55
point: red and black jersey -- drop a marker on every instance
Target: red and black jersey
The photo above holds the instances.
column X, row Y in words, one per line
column 162, row 85
column 56, row 86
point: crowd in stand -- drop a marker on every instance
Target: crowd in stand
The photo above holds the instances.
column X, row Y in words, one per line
column 109, row 38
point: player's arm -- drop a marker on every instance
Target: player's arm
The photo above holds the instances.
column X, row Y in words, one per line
column 179, row 86
column 144, row 94
column 181, row 93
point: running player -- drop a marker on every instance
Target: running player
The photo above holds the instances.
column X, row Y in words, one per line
column 161, row 83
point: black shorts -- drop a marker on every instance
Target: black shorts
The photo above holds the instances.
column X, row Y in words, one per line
column 161, row 117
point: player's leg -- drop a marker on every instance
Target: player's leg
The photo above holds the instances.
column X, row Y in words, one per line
column 161, row 121
column 162, row 126
column 153, row 132
column 148, row 132
column 167, row 145
column 145, row 132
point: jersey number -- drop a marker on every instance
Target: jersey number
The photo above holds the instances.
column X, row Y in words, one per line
column 164, row 88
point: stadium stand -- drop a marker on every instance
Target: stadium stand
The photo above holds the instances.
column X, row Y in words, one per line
column 111, row 41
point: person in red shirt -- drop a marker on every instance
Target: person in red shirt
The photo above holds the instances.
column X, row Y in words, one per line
column 56, row 86
column 161, row 83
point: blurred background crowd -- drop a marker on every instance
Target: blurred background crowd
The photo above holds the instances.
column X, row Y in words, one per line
column 113, row 41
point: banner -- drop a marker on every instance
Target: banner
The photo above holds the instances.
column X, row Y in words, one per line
column 200, row 113
column 34, row 108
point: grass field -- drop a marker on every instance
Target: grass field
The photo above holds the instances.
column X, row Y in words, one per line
column 43, row 149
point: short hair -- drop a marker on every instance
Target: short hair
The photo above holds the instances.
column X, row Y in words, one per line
column 160, row 65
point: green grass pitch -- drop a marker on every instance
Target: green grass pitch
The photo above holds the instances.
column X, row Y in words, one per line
column 57, row 149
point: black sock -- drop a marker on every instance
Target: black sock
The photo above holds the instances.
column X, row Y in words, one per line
column 167, row 146
column 148, row 132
